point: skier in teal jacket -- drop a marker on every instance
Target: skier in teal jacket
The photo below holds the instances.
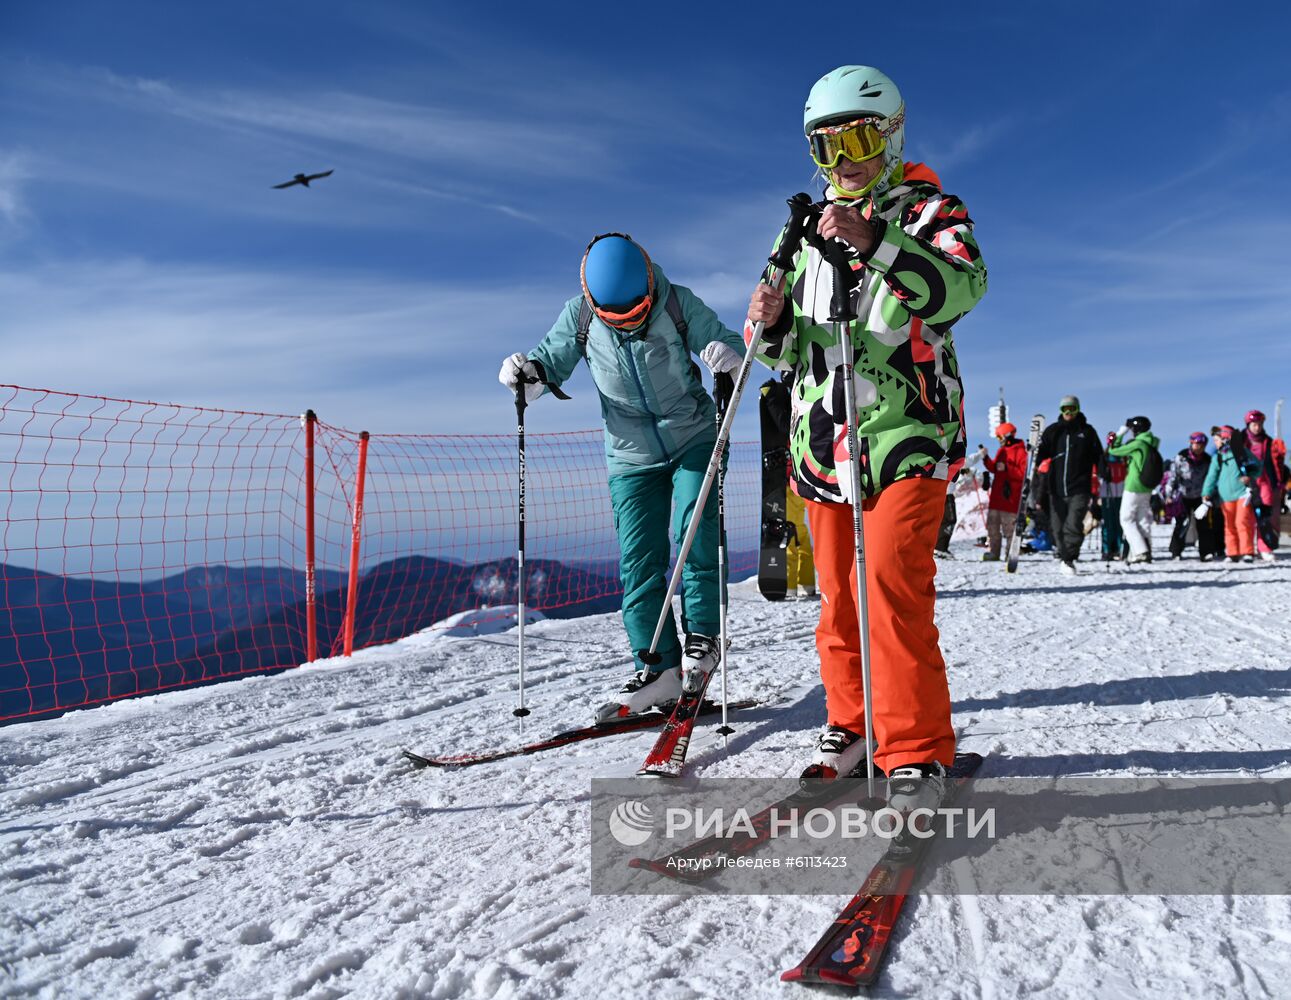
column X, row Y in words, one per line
column 637, row 332
column 1229, row 481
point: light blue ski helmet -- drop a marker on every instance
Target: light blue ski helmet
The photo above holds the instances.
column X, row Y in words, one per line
column 616, row 271
column 851, row 92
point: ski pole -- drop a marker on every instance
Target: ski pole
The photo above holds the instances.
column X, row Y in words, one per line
column 800, row 211
column 723, row 386
column 520, row 712
column 841, row 314
column 521, row 403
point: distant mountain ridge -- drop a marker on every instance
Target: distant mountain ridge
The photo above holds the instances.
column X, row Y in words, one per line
column 67, row 641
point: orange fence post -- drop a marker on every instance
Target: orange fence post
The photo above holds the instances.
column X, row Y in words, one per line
column 311, row 606
column 352, row 599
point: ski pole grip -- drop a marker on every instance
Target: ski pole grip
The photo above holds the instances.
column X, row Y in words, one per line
column 800, row 213
column 723, row 389
column 840, row 305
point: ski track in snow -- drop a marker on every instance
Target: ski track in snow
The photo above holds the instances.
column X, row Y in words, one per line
column 263, row 838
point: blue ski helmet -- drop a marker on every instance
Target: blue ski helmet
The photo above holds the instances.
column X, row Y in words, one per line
column 616, row 271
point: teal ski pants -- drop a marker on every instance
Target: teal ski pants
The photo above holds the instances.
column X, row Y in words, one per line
column 645, row 503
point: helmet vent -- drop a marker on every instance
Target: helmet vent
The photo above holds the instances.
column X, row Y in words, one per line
column 873, row 93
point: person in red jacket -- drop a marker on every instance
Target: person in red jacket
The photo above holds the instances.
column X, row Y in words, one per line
column 1268, row 488
column 1009, row 468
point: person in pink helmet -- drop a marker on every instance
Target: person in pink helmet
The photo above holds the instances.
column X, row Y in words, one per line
column 1268, row 486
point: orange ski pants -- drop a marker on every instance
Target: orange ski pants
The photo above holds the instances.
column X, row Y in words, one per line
column 1239, row 528
column 908, row 676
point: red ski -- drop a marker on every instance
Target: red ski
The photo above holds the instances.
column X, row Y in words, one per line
column 668, row 756
column 852, row 949
column 611, row 727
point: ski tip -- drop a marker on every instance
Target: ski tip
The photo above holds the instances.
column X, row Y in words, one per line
column 417, row 760
column 821, row 977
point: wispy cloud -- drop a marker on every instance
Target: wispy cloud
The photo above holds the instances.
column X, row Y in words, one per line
column 14, row 172
column 964, row 147
column 426, row 133
column 367, row 353
column 1186, row 337
column 514, row 152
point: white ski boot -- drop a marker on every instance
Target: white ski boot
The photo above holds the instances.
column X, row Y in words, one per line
column 699, row 657
column 646, row 690
column 839, row 752
column 916, row 786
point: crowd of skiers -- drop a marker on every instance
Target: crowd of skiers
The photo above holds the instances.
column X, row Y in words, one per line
column 1230, row 501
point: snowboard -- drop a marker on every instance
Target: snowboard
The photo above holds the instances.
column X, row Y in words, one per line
column 777, row 531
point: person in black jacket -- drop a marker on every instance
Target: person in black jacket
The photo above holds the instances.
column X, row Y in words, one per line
column 1074, row 449
column 1186, row 478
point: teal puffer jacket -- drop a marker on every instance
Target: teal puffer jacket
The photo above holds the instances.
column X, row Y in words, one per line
column 1225, row 476
column 653, row 405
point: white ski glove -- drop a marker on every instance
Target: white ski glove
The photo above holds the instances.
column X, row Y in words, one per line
column 517, row 368
column 720, row 357
column 1202, row 510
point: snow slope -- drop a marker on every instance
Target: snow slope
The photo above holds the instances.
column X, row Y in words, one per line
column 264, row 839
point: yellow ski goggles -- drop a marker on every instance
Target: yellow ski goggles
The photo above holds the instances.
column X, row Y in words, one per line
column 859, row 141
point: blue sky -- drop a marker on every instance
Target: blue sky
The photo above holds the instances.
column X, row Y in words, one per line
column 1124, row 165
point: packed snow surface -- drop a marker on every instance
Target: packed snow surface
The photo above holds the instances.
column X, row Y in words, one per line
column 265, row 838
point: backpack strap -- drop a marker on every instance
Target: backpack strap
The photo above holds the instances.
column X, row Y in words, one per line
column 683, row 328
column 678, row 319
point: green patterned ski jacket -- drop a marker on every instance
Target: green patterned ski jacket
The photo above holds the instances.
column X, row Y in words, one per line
column 922, row 275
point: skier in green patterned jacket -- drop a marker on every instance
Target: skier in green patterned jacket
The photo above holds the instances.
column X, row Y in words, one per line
column 636, row 331
column 917, row 271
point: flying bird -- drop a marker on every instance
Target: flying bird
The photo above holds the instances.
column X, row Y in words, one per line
column 303, row 179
